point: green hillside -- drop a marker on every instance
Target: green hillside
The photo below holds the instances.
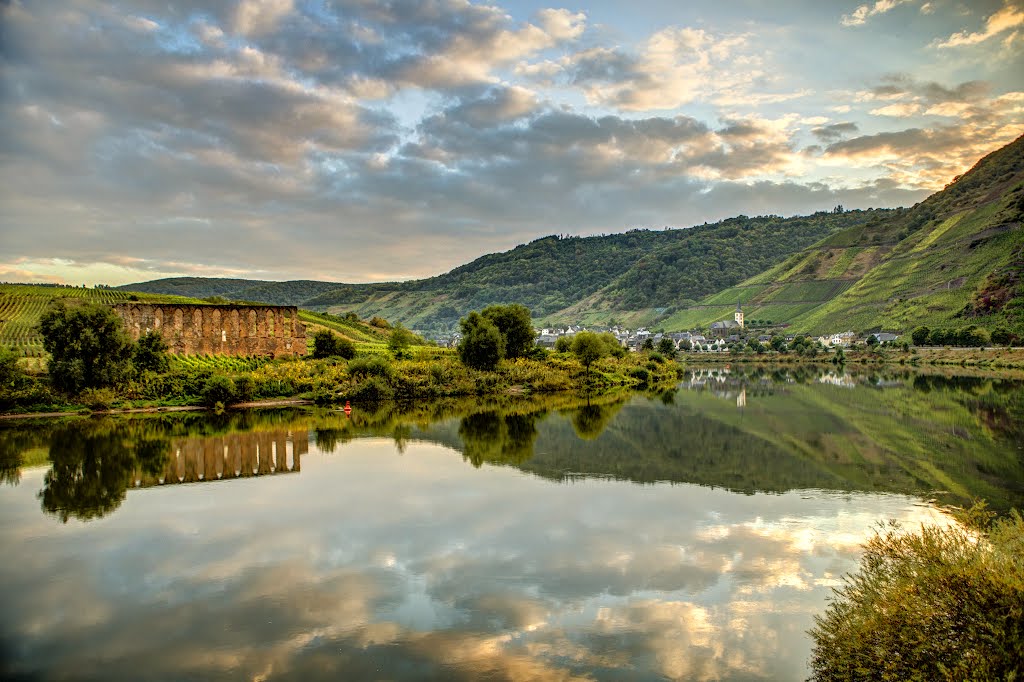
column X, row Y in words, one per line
column 637, row 276
column 955, row 259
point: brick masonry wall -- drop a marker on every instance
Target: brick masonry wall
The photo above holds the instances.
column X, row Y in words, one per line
column 272, row 331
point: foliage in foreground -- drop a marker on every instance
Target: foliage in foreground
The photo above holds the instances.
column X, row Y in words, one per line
column 943, row 603
column 88, row 346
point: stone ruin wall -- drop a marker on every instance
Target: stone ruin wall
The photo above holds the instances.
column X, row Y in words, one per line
column 271, row 331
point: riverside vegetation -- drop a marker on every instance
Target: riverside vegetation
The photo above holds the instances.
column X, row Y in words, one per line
column 94, row 364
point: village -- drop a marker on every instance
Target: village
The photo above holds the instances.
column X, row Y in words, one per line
column 721, row 337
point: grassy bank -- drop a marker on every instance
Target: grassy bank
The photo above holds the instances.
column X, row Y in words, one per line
column 372, row 375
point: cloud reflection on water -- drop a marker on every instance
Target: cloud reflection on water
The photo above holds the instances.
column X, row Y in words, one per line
column 372, row 565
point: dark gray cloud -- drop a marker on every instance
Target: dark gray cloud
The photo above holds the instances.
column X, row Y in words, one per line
column 898, row 85
column 834, row 131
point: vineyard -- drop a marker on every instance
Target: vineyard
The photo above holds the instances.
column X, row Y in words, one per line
column 355, row 330
column 23, row 305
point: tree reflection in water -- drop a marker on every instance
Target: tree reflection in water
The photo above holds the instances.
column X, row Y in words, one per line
column 92, row 467
column 498, row 439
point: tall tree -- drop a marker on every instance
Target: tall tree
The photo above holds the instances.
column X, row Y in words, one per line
column 482, row 346
column 400, row 340
column 515, row 325
column 589, row 348
column 150, row 353
column 87, row 344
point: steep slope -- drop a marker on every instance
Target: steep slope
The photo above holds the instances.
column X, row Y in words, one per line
column 956, row 258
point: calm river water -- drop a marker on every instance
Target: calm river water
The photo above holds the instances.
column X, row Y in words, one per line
column 687, row 535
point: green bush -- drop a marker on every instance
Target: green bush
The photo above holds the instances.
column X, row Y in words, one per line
column 97, row 399
column 935, row 604
column 11, row 376
column 373, row 390
column 218, row 389
column 641, row 374
column 373, row 366
column 245, row 388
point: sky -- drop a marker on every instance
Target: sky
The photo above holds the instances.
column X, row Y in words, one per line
column 359, row 141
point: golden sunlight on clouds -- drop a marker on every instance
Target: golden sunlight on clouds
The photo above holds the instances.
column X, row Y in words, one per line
column 1009, row 17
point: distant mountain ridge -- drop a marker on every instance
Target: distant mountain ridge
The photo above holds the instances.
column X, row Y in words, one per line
column 636, row 275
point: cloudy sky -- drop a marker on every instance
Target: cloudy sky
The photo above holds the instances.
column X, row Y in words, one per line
column 357, row 140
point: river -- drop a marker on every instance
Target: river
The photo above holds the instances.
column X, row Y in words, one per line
column 690, row 534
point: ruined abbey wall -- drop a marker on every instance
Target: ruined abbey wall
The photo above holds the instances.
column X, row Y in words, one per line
column 266, row 330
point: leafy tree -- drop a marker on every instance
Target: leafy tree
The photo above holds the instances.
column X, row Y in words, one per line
column 648, row 344
column 482, row 346
column 563, row 344
column 327, row 344
column 589, row 348
column 920, row 335
column 515, row 325
column 615, row 349
column 400, row 340
column 150, row 353
column 88, row 346
column 973, row 335
column 872, row 340
column 666, row 346
column 11, row 376
column 1002, row 336
column 686, row 344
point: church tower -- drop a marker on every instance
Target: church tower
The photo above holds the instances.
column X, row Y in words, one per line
column 739, row 315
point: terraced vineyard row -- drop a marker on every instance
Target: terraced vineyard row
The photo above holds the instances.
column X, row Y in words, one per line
column 221, row 363
column 23, row 305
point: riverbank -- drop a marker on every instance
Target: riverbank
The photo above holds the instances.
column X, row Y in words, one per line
column 330, row 381
column 998, row 359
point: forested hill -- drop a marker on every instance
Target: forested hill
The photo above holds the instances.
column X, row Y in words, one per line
column 639, row 273
column 295, row 292
column 955, row 259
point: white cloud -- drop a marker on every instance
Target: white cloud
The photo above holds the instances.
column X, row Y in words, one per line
column 860, row 15
column 1007, row 18
column 901, row 110
column 255, row 17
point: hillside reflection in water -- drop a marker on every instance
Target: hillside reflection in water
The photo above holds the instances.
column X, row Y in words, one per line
column 311, row 545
